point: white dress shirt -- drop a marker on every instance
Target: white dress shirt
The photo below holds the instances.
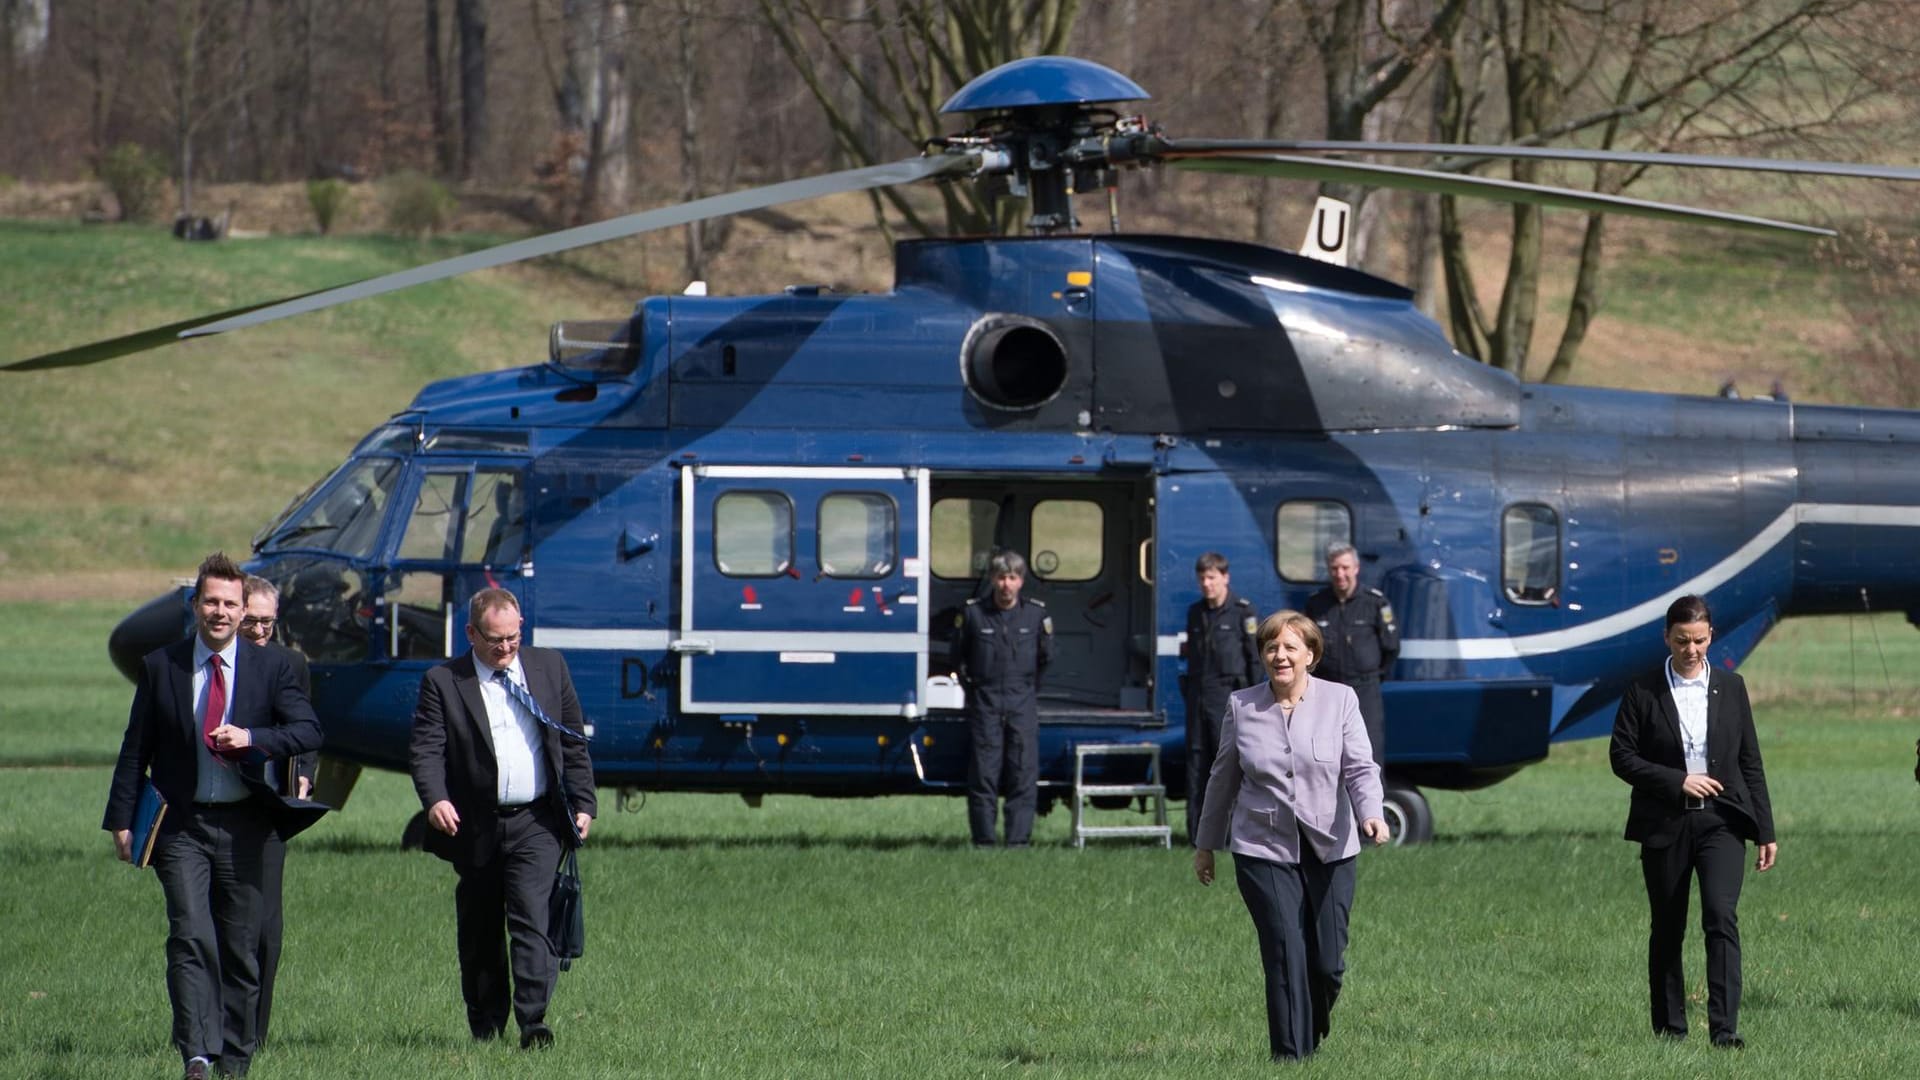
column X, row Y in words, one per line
column 516, row 738
column 1690, row 702
column 216, row 780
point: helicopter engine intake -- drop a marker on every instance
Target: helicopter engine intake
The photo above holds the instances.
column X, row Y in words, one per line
column 1012, row 362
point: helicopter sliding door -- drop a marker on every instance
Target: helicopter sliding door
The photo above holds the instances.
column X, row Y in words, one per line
column 802, row 590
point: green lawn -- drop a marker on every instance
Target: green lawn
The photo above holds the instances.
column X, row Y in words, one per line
column 862, row 938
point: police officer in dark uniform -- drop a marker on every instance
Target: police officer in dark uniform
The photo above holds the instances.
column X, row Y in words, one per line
column 1001, row 646
column 1222, row 652
column 1361, row 638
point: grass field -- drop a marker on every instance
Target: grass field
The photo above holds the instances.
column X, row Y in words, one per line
column 862, row 938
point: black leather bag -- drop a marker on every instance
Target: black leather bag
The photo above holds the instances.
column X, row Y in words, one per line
column 566, row 922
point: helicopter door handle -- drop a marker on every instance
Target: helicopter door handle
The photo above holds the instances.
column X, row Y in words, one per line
column 700, row 646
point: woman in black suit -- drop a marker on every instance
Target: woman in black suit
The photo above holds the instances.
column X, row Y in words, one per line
column 1684, row 739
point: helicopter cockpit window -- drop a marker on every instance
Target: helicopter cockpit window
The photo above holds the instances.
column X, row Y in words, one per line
column 1302, row 529
column 496, row 532
column 346, row 519
column 857, row 535
column 1530, row 554
column 1067, row 540
column 962, row 539
column 430, row 530
column 752, row 533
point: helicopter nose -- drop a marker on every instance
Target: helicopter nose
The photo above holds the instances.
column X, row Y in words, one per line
column 160, row 621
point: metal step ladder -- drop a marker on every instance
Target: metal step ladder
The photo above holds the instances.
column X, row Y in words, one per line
column 1153, row 789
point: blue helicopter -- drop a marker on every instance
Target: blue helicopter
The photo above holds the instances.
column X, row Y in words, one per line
column 747, row 521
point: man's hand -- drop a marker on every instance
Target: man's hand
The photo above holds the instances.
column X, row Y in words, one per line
column 582, row 822
column 303, row 788
column 229, row 737
column 1766, row 856
column 123, row 844
column 1203, row 865
column 444, row 817
column 1700, row 786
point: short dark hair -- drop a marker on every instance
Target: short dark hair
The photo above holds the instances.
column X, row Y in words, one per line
column 1212, row 560
column 1688, row 609
column 489, row 600
column 220, row 568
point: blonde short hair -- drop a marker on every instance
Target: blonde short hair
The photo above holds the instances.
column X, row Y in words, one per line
column 1309, row 631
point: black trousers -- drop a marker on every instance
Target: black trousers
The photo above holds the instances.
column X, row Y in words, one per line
column 271, row 925
column 502, row 901
column 1203, row 745
column 1300, row 913
column 213, row 868
column 1005, row 763
column 1707, row 847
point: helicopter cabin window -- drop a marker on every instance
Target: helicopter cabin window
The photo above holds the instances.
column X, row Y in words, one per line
column 346, row 519
column 857, row 535
column 752, row 533
column 496, row 530
column 1067, row 537
column 1530, row 554
column 1302, row 529
column 962, row 538
column 430, row 530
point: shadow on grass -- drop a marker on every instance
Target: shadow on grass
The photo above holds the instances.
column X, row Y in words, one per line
column 349, row 845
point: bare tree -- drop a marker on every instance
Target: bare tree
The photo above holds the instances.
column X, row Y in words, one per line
column 1632, row 74
column 927, row 49
column 470, row 23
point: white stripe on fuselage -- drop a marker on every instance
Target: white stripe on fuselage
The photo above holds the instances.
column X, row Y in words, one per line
column 1489, row 648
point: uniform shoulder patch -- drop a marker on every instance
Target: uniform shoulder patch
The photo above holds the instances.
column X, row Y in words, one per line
column 1046, row 625
column 960, row 619
column 1251, row 624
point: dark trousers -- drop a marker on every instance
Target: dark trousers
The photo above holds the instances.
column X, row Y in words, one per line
column 213, row 867
column 506, row 900
column 1703, row 846
column 1300, row 913
column 1373, row 711
column 273, row 872
column 1203, row 745
column 1005, row 762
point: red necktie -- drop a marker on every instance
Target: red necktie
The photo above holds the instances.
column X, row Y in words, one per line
column 216, row 702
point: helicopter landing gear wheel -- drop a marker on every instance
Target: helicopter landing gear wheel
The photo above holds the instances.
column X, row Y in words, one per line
column 1409, row 818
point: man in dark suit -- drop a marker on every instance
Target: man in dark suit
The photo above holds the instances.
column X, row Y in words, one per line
column 209, row 717
column 503, row 773
column 1684, row 739
column 262, row 614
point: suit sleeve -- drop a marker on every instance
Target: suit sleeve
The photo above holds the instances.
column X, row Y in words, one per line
column 1223, row 786
column 295, row 730
column 1753, row 771
column 1625, row 752
column 305, row 764
column 1358, row 772
column 136, row 751
column 427, row 749
column 573, row 752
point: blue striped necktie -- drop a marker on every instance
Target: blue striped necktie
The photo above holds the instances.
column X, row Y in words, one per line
column 519, row 694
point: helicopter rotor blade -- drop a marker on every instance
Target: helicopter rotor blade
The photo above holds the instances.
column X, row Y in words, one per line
column 1479, row 187
column 862, row 179
column 1466, row 154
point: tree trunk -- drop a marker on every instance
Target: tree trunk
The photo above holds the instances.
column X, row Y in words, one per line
column 689, row 92
column 445, row 153
column 1529, row 64
column 1586, row 301
column 470, row 21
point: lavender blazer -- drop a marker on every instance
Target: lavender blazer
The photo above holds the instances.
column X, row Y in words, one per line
column 1273, row 784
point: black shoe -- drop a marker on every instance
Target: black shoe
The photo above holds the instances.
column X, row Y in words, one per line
column 198, row 1069
column 1729, row 1042
column 537, row 1037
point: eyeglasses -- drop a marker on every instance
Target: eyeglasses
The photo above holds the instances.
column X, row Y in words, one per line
column 503, row 642
column 257, row 622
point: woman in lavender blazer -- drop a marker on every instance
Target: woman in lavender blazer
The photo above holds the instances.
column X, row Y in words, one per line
column 1294, row 771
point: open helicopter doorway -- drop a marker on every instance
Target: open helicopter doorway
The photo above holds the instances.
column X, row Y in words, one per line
column 1088, row 549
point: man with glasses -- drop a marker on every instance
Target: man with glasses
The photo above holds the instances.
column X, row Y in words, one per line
column 499, row 760
column 261, row 615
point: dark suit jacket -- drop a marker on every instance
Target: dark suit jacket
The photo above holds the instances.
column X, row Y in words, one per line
column 307, row 763
column 452, row 751
column 1647, row 752
column 163, row 735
